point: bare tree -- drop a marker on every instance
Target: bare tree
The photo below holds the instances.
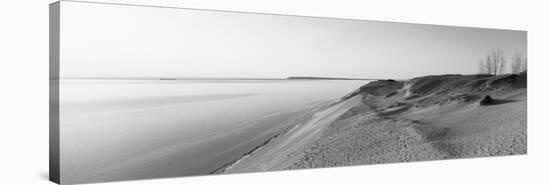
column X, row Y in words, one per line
column 519, row 63
column 494, row 63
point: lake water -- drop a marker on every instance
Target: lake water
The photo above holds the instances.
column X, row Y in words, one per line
column 138, row 129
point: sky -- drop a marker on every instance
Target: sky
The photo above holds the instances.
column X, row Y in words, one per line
column 102, row 40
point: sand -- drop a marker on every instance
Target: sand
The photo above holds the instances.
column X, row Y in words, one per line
column 387, row 121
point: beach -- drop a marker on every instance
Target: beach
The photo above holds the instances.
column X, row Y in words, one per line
column 388, row 121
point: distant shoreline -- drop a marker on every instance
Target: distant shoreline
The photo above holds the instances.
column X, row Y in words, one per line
column 325, row 78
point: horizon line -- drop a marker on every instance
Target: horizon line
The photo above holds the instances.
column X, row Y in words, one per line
column 221, row 78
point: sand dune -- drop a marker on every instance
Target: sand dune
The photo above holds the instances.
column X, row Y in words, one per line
column 385, row 121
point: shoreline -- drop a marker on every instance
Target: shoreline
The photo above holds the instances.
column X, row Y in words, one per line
column 293, row 123
column 227, row 166
column 306, row 130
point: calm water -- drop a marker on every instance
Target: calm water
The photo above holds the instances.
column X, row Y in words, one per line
column 127, row 129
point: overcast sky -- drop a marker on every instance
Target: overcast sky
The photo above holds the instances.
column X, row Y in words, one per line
column 99, row 40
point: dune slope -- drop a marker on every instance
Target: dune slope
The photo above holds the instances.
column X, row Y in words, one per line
column 385, row 121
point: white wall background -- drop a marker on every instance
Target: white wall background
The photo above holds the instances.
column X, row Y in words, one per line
column 24, row 90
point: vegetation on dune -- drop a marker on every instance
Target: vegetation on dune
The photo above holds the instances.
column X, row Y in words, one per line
column 495, row 62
